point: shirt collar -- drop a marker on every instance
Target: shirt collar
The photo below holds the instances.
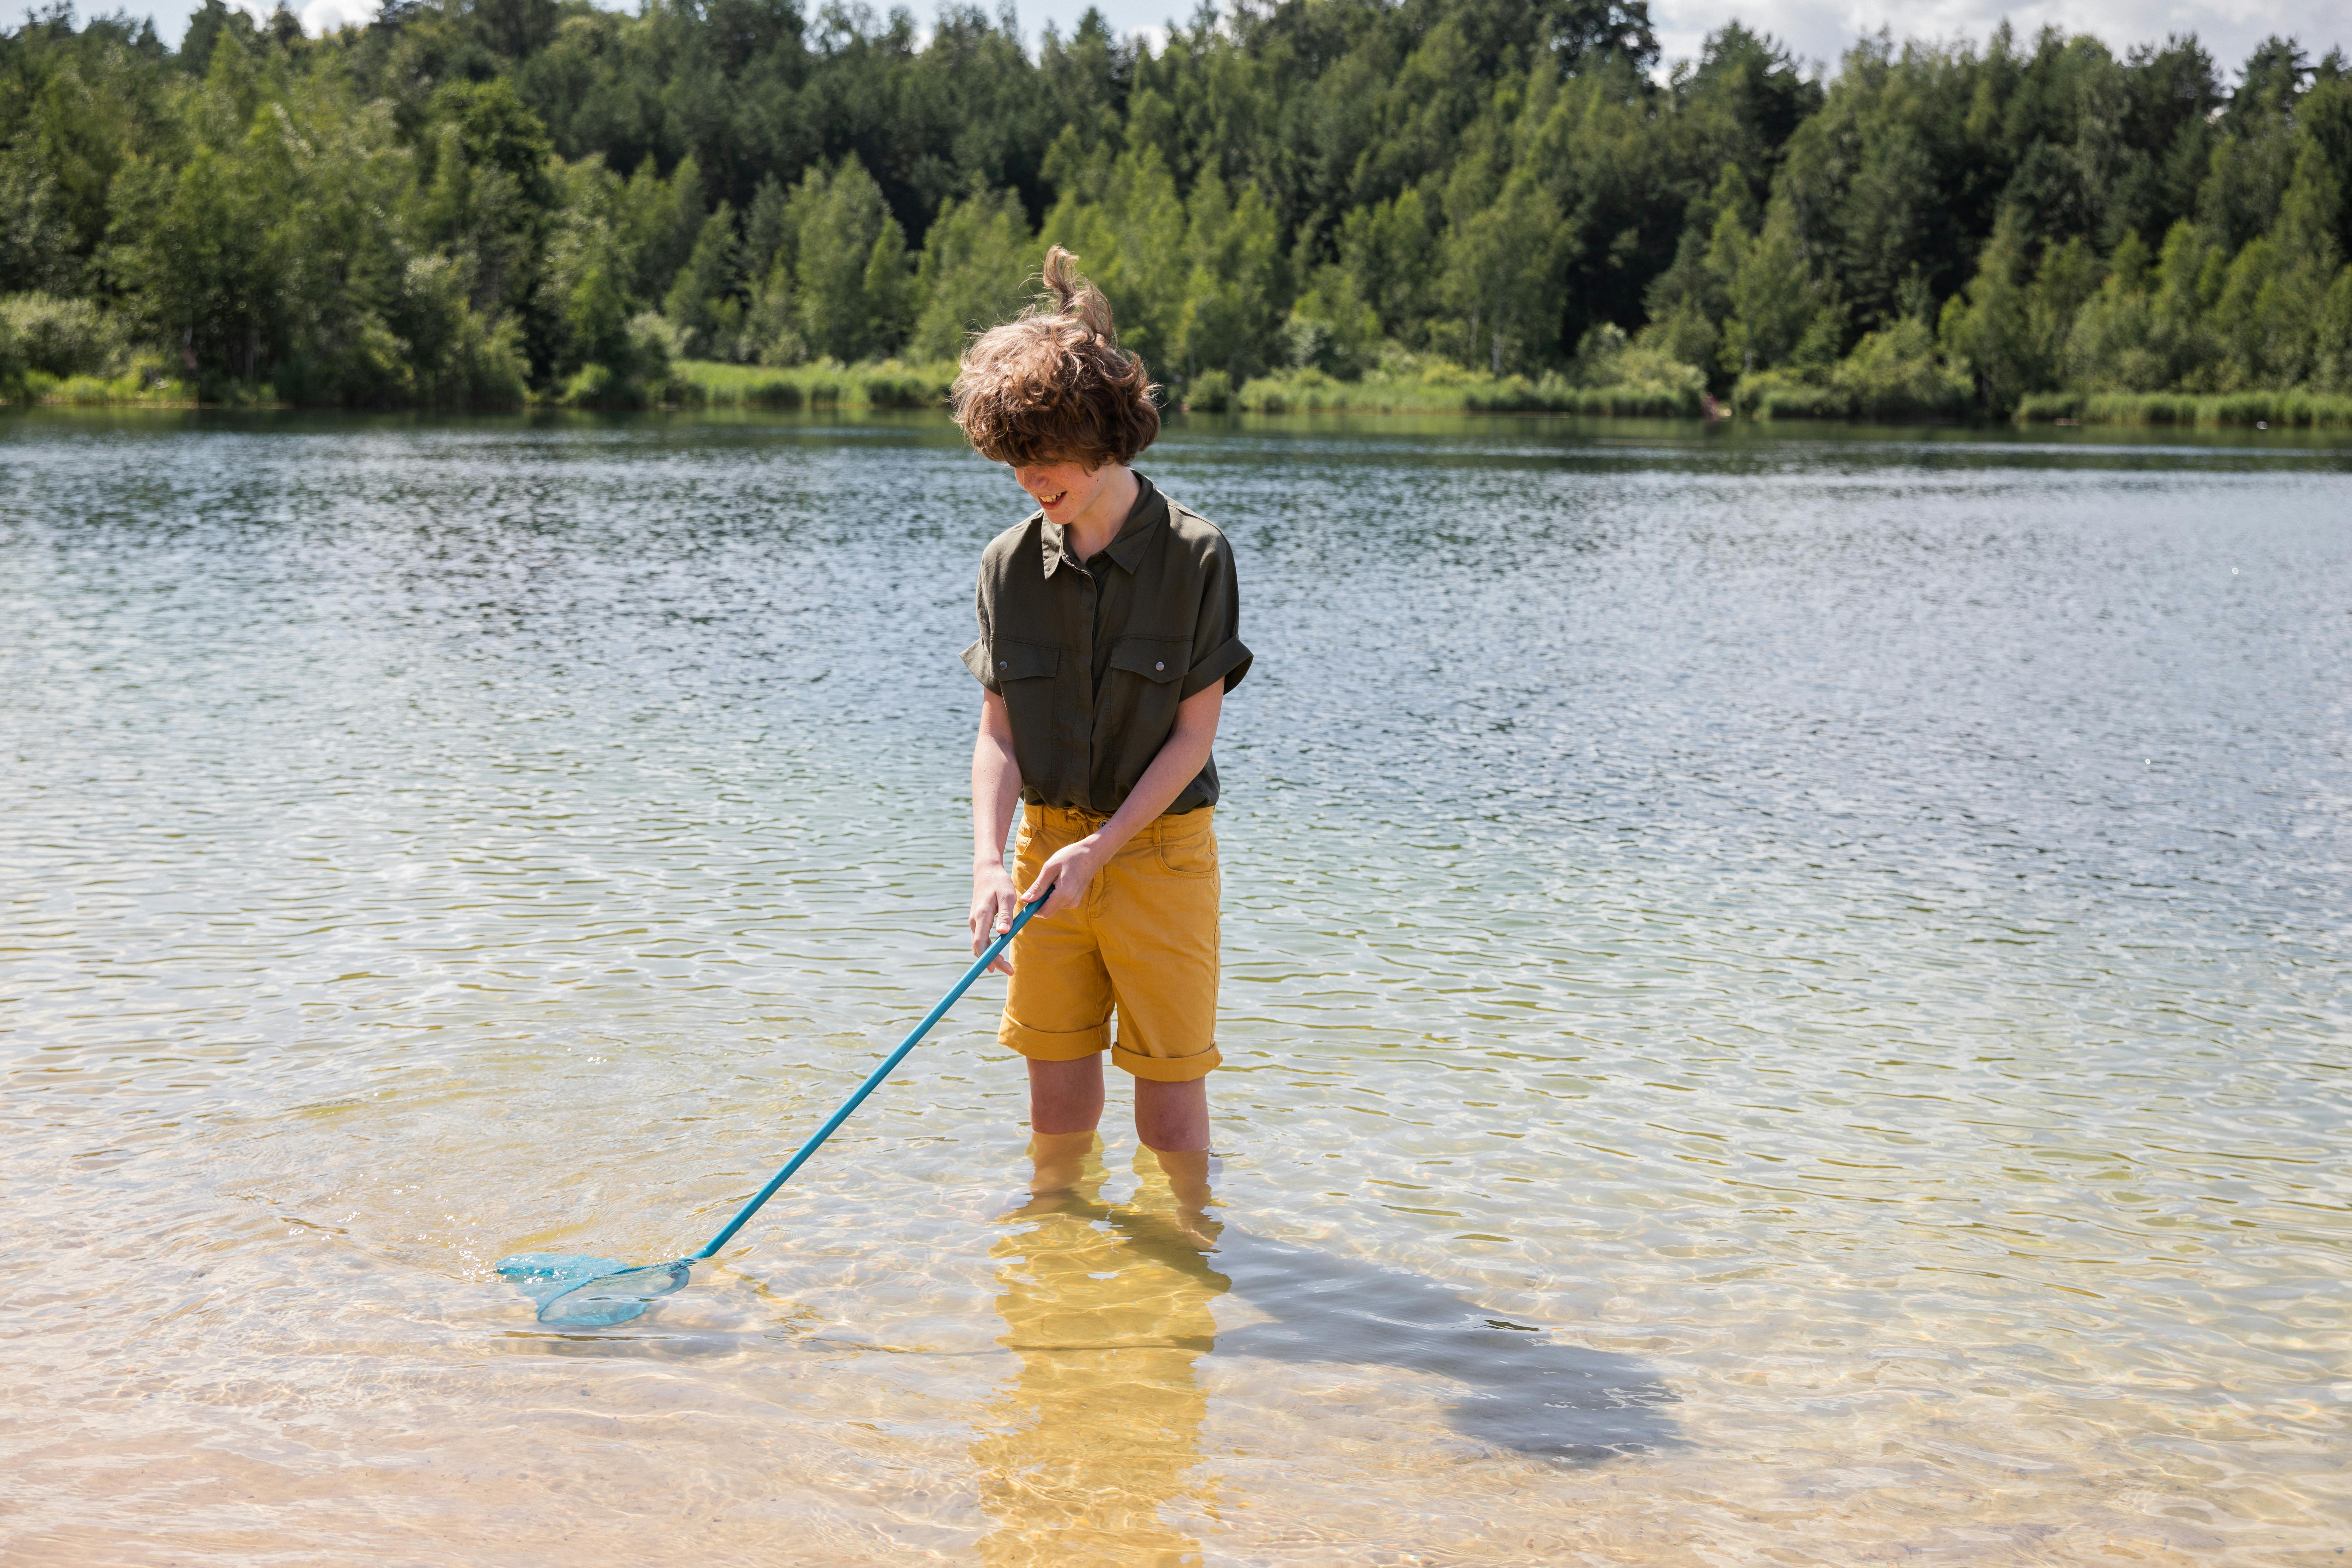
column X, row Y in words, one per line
column 1150, row 510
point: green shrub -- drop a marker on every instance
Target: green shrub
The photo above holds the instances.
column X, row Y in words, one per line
column 1897, row 374
column 653, row 341
column 12, row 363
column 594, row 385
column 2041, row 407
column 640, row 378
column 1787, row 394
column 482, row 370
column 1330, row 327
column 1606, row 360
column 460, row 360
column 146, row 381
column 1307, row 391
column 63, row 337
column 1211, row 392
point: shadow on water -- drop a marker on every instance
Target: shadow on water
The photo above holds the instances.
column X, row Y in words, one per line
column 1523, row 1391
column 1088, row 1451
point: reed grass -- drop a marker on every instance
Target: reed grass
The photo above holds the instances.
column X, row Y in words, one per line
column 2280, row 410
column 140, row 385
column 1453, row 391
column 823, row 384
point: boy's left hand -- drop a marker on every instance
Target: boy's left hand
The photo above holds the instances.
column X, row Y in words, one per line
column 1068, row 872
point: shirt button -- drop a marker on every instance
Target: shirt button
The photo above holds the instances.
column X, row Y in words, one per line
column 1159, row 667
column 1005, row 664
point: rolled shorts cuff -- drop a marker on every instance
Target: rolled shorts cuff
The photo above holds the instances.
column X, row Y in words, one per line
column 1050, row 1045
column 1167, row 1070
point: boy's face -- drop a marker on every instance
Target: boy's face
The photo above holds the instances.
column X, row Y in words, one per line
column 1065, row 490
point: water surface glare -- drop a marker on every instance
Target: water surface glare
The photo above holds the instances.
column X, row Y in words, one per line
column 1785, row 1001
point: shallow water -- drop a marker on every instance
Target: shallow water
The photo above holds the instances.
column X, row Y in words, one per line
column 1785, row 1002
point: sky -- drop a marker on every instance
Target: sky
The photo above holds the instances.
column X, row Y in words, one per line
column 1818, row 31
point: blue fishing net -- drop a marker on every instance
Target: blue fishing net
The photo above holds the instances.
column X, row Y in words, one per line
column 578, row 1290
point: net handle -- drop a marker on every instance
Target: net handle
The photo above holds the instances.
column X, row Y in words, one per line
column 873, row 1080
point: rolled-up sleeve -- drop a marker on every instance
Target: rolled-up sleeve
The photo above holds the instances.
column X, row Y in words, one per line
column 975, row 658
column 1217, row 650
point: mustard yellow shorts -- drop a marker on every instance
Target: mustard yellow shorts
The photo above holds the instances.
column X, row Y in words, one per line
column 1142, row 944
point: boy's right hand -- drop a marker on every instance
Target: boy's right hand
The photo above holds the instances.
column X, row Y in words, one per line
column 994, row 903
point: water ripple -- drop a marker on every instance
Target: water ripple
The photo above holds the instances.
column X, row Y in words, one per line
column 1782, row 997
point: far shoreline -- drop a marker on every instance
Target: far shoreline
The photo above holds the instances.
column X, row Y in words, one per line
column 158, row 415
column 892, row 386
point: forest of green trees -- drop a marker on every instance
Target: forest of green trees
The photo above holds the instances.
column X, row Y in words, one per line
column 480, row 203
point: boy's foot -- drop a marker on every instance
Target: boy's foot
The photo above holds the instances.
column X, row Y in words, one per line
column 1190, row 1176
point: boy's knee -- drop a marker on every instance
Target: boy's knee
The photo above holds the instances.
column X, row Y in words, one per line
column 1173, row 1119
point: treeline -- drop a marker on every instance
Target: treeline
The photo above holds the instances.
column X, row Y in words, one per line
column 470, row 203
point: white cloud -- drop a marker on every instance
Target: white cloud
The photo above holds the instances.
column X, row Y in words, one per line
column 1818, row 30
column 1823, row 30
column 319, row 17
column 1149, row 18
column 322, row 17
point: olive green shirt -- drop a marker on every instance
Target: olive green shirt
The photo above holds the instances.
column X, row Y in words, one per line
column 1092, row 657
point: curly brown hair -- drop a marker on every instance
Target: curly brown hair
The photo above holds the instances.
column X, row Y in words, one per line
column 1054, row 386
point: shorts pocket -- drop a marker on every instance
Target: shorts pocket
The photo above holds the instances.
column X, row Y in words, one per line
column 1194, row 855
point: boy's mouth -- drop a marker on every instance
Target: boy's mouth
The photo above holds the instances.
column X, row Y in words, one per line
column 1050, row 501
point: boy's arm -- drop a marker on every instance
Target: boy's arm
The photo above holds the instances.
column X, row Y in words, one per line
column 995, row 791
column 1180, row 761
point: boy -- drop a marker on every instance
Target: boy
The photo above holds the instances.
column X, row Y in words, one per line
column 1108, row 625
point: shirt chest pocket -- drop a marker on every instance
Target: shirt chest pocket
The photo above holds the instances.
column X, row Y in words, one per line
column 1026, row 675
column 1139, row 696
column 1025, row 660
column 1159, row 660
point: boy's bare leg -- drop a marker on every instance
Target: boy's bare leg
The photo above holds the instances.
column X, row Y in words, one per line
column 1065, row 1096
column 1188, row 1177
column 1065, row 1100
column 1171, row 1120
column 1059, row 1160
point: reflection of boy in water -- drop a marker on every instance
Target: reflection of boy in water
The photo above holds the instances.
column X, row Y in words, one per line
column 1109, row 636
column 1090, row 1454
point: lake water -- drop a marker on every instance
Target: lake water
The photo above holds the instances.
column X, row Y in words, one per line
column 1786, row 1001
